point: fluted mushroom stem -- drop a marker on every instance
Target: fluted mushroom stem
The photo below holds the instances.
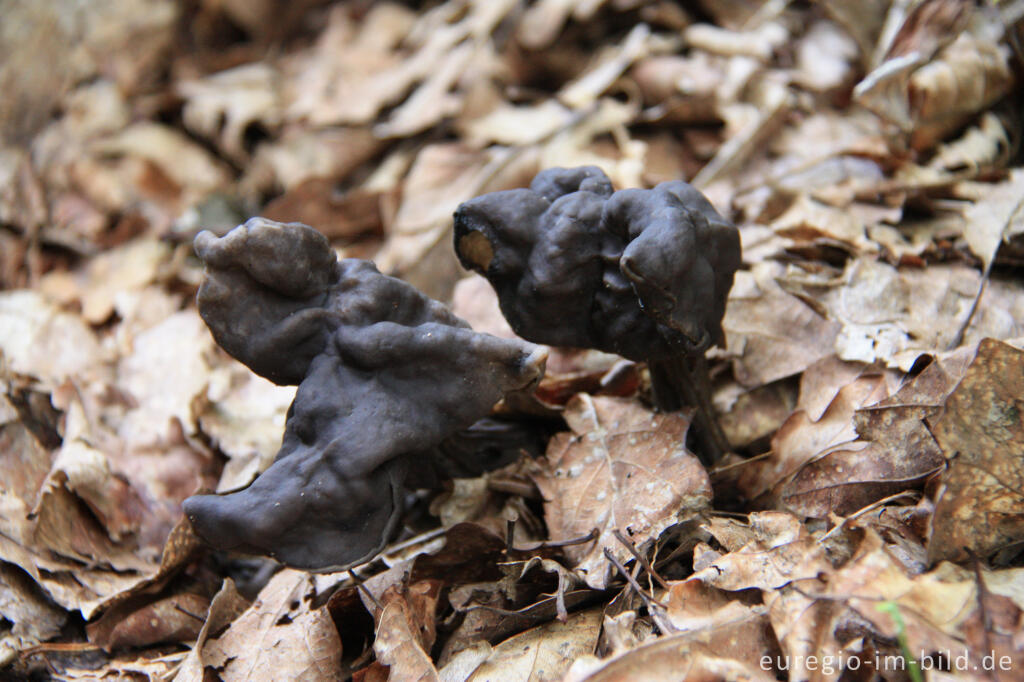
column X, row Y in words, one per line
column 684, row 381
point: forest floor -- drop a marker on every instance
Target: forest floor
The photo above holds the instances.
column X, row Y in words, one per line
column 869, row 523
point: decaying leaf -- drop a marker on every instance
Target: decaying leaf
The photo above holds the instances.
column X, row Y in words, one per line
column 542, row 653
column 282, row 632
column 979, row 506
column 997, row 216
column 771, row 333
column 622, row 468
column 405, row 630
column 776, row 550
column 676, row 657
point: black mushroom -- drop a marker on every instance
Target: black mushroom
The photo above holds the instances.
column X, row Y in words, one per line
column 384, row 375
column 641, row 273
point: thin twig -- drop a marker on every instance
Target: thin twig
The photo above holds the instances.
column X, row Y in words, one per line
column 864, row 510
column 582, row 540
column 986, row 618
column 360, row 587
column 756, row 458
column 641, row 559
column 652, row 605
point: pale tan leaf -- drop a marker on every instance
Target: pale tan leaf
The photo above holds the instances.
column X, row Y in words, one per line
column 622, row 468
column 280, row 632
column 996, row 215
column 768, row 561
column 611, row 64
column 244, row 415
column 676, row 657
column 220, row 107
column 771, row 333
column 406, row 630
column 39, row 340
column 542, row 653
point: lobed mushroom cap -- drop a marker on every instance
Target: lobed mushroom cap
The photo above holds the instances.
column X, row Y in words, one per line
column 385, row 374
column 642, row 273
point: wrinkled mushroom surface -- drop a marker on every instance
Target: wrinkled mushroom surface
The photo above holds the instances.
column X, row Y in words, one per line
column 642, row 273
column 385, row 374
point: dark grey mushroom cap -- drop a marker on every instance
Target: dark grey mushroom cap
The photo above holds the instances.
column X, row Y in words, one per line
column 642, row 273
column 384, row 375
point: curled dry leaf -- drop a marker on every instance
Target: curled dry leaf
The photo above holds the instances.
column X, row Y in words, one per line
column 406, row 630
column 543, row 653
column 351, row 71
column 174, row 619
column 280, row 632
column 225, row 606
column 729, row 627
column 893, row 315
column 979, row 505
column 674, row 657
column 30, row 617
column 220, row 107
column 996, row 216
column 938, row 609
column 771, row 333
column 801, row 439
column 607, row 68
column 40, row 340
column 621, row 468
column 777, row 550
column 243, row 415
column 109, row 278
column 928, row 93
column 300, row 154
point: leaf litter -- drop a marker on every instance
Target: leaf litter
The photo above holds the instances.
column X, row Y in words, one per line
column 870, row 386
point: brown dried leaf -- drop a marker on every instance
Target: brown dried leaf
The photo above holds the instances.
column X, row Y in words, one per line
column 824, row 57
column 39, row 340
column 221, row 106
column 995, row 216
column 280, row 632
column 801, row 440
column 940, row 609
column 109, row 278
column 607, row 67
column 542, row 653
column 406, row 630
column 225, row 606
column 336, row 214
column 177, row 618
column 442, row 176
column 729, row 627
column 474, row 301
column 518, row 124
column 353, row 69
column 979, row 505
column 931, row 93
column 780, row 551
column 29, row 617
column 749, row 416
column 183, row 162
column 807, row 220
column 894, row 315
column 675, row 657
column 621, row 468
column 300, row 154
column 805, row 627
column 244, row 416
column 759, row 43
column 771, row 333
